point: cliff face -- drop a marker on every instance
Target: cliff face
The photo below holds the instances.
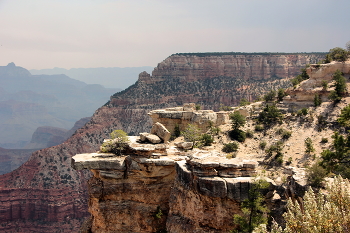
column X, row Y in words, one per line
column 304, row 94
column 54, row 196
column 210, row 80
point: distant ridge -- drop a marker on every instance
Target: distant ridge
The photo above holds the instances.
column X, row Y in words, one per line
column 110, row 77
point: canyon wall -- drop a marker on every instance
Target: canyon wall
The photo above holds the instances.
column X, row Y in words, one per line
column 54, row 196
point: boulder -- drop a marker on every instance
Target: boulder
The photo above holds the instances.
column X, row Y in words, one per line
column 184, row 145
column 153, row 138
column 160, row 130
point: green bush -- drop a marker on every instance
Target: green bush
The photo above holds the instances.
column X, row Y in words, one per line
column 302, row 112
column 230, row 147
column 192, row 134
column 262, row 145
column 270, row 96
column 249, row 133
column 309, row 147
column 301, row 77
column 324, row 140
column 327, row 211
column 344, row 118
column 315, row 175
column 238, row 135
column 337, row 54
column 270, row 115
column 207, row 139
column 317, row 100
column 237, row 119
column 259, row 128
column 243, row 102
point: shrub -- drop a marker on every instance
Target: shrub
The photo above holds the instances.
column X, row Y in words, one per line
column 315, row 175
column 238, row 135
column 243, row 102
column 324, row 85
column 230, row 147
column 259, row 128
column 254, row 210
column 301, row 77
column 344, row 118
column 286, row 134
column 317, row 100
column 270, row 96
column 198, row 107
column 337, row 160
column 192, row 134
column 324, row 140
column 225, row 108
column 269, row 115
column 309, row 147
column 337, row 54
column 302, row 112
column 340, row 86
column 207, row 139
column 318, row 212
column 177, row 132
column 280, row 94
column 237, row 119
column 117, row 144
column 262, row 145
column 249, row 133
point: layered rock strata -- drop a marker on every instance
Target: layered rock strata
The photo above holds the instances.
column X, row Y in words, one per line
column 139, row 193
column 304, row 94
column 182, row 116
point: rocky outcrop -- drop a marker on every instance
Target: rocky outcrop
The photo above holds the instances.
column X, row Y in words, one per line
column 47, row 136
column 304, row 94
column 182, row 116
column 182, row 193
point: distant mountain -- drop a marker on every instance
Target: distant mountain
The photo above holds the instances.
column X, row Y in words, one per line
column 112, row 77
column 30, row 101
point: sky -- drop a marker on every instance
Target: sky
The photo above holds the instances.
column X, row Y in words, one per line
column 43, row 34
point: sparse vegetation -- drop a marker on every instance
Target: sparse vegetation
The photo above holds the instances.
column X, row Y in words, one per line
column 238, row 120
column 117, row 144
column 230, row 147
column 317, row 100
column 280, row 94
column 198, row 107
column 249, row 133
column 315, row 175
column 206, row 139
column 319, row 212
column 262, row 145
column 340, row 87
column 254, row 210
column 270, row 115
column 259, row 128
column 301, row 77
column 309, row 147
column 270, row 96
column 244, row 102
column 192, row 134
column 337, row 158
column 225, row 108
column 344, row 118
column 337, row 54
column 238, row 135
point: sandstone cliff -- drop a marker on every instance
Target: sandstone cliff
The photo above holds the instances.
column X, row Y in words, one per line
column 45, row 195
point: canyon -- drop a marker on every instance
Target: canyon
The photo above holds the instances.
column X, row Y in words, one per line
column 45, row 194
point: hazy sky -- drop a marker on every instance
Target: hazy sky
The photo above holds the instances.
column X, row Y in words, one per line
column 38, row 34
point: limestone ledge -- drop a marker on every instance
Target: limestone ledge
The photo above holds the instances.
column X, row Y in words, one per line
column 182, row 116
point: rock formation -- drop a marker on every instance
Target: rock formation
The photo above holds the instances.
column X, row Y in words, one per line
column 303, row 95
column 46, row 195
